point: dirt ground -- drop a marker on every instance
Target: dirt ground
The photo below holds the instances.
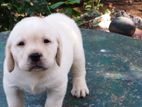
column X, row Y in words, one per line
column 134, row 9
column 131, row 10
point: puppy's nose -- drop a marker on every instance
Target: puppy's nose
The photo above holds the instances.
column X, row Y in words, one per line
column 35, row 57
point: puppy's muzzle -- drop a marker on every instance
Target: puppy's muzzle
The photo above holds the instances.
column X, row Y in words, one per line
column 36, row 61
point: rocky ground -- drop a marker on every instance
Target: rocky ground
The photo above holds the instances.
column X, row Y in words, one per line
column 131, row 10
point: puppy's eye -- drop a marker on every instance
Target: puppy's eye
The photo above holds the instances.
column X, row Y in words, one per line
column 22, row 43
column 46, row 41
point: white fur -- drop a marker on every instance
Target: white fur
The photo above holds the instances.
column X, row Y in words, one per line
column 62, row 53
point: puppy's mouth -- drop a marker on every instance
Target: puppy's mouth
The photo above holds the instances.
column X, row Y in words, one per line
column 37, row 67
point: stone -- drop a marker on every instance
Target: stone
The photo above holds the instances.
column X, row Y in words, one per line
column 114, row 72
column 122, row 25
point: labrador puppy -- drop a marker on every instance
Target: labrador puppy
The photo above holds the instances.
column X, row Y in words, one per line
column 39, row 55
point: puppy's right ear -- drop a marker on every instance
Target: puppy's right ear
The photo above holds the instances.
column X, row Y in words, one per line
column 9, row 61
column 59, row 52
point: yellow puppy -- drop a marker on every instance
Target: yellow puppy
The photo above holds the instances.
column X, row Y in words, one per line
column 39, row 54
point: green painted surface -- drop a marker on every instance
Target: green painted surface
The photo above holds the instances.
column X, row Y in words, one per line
column 114, row 73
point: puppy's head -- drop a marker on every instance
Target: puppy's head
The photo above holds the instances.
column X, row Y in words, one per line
column 33, row 45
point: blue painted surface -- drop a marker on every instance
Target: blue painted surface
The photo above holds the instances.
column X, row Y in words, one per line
column 114, row 73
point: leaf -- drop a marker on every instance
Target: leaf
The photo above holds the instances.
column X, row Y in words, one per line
column 56, row 5
column 71, row 12
column 72, row 2
column 27, row 0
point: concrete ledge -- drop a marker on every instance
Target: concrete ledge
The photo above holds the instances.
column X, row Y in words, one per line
column 114, row 72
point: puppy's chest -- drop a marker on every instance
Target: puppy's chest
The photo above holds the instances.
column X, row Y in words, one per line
column 33, row 86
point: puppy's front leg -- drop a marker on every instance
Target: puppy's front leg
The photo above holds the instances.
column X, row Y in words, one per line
column 14, row 97
column 55, row 97
column 80, row 88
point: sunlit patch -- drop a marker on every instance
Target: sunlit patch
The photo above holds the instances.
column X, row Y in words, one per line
column 103, row 50
column 136, row 71
column 103, row 21
column 114, row 75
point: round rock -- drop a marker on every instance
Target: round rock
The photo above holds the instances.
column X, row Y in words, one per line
column 122, row 25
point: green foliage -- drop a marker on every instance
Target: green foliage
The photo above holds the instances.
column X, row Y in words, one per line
column 11, row 11
column 90, row 5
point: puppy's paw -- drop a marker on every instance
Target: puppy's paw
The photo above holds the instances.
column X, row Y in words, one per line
column 80, row 88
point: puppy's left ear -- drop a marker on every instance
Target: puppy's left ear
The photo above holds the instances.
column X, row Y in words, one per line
column 9, row 61
column 59, row 52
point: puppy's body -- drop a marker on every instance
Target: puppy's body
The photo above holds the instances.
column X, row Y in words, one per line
column 60, row 51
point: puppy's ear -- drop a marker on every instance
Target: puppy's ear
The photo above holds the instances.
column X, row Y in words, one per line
column 59, row 52
column 9, row 61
